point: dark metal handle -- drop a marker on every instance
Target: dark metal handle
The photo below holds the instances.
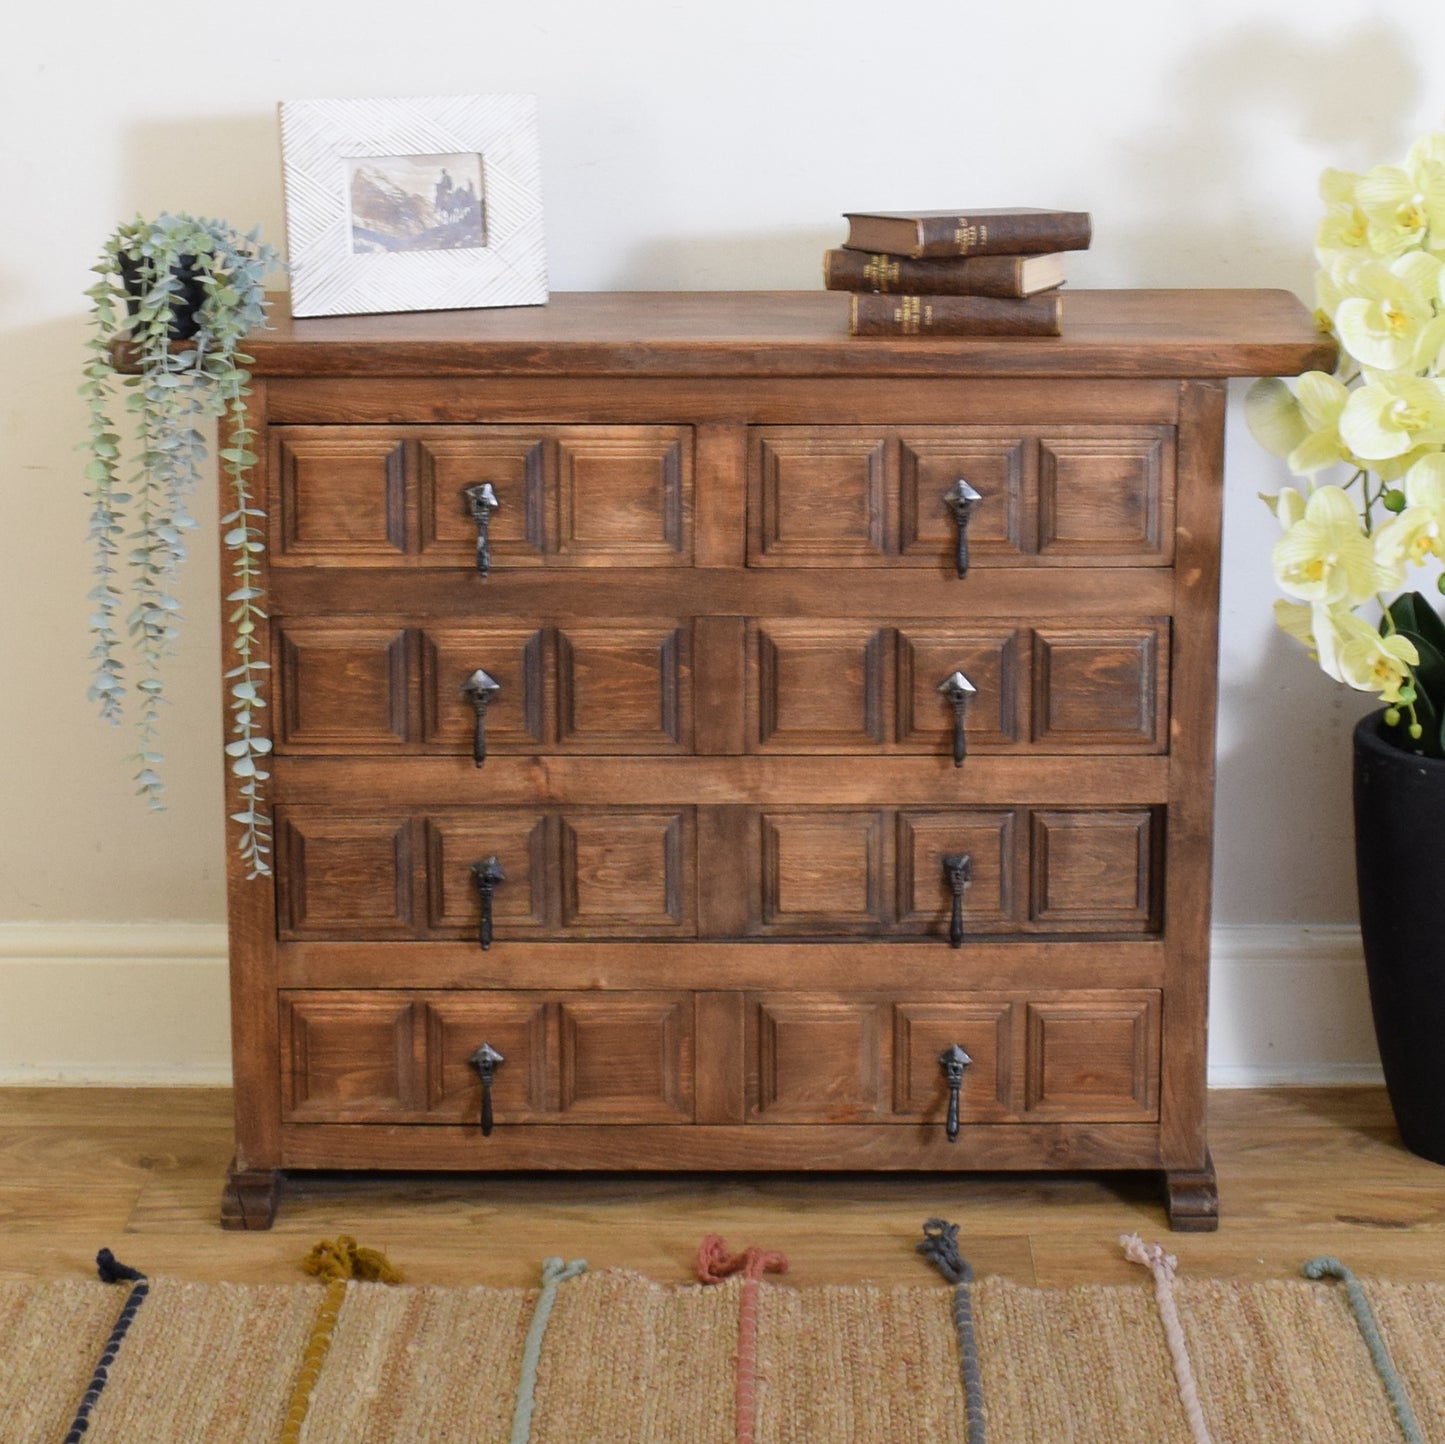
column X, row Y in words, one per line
column 487, row 874
column 481, row 503
column 481, row 689
column 953, row 1060
column 959, row 499
column 486, row 1060
column 959, row 872
column 958, row 689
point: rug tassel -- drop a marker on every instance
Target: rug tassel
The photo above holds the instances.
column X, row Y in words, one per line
column 554, row 1274
column 337, row 1264
column 1163, row 1266
column 940, row 1248
column 111, row 1271
column 1324, row 1267
column 343, row 1260
column 714, row 1264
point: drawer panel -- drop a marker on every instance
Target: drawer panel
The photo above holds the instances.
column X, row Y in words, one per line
column 834, row 496
column 568, row 496
column 835, row 872
column 568, row 1057
column 567, row 873
column 368, row 685
column 1087, row 1056
column 832, row 686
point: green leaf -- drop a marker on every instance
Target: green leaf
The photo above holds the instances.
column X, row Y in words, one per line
column 1413, row 615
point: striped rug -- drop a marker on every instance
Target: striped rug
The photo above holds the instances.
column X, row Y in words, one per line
column 612, row 1356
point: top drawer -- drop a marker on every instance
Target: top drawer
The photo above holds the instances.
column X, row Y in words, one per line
column 567, row 496
column 846, row 496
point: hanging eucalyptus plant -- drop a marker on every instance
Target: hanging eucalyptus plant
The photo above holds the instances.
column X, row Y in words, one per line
column 174, row 299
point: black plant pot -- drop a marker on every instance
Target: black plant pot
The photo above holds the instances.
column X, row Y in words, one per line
column 1400, row 870
column 185, row 302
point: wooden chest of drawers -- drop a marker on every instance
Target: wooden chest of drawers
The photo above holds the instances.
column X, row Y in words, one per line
column 637, row 813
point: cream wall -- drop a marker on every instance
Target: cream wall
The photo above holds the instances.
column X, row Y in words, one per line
column 684, row 146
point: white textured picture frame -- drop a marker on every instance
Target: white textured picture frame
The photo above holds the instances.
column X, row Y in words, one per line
column 503, row 264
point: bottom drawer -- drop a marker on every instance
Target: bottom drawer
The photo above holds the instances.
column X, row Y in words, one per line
column 628, row 1057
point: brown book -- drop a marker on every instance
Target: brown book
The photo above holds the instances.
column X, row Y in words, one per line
column 1016, row 230
column 946, row 276
column 877, row 315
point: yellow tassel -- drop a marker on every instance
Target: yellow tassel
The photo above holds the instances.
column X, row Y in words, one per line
column 342, row 1260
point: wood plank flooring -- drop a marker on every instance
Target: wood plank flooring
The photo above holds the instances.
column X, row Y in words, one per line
column 1301, row 1172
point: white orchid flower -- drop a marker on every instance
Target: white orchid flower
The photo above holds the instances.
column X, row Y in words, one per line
column 1371, row 663
column 1326, row 557
column 1387, row 310
column 1391, row 415
column 1418, row 532
column 1404, row 205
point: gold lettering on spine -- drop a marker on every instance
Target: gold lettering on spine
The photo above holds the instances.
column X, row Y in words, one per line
column 907, row 315
column 966, row 235
column 881, row 272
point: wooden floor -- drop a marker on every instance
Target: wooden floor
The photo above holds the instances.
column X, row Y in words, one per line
column 1301, row 1172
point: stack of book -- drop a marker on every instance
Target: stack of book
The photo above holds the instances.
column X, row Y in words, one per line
column 953, row 273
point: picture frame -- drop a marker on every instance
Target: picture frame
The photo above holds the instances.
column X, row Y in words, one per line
column 423, row 204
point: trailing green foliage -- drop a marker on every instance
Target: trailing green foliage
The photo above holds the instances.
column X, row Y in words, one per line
column 141, row 496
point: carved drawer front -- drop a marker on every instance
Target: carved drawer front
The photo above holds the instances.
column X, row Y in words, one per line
column 349, row 1056
column 816, row 686
column 344, row 686
column 1072, row 495
column 561, row 496
column 820, row 872
column 1093, row 1057
column 1095, row 870
column 340, row 876
column 567, row 874
column 393, row 1056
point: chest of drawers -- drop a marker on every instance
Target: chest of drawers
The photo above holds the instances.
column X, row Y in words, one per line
column 670, row 773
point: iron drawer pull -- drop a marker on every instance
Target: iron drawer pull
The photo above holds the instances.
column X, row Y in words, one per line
column 958, row 689
column 481, row 503
column 959, row 872
column 482, row 689
column 486, row 1060
column 959, row 499
column 953, row 1060
column 487, row 874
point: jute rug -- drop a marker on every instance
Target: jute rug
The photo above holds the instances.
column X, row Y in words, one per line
column 612, row 1356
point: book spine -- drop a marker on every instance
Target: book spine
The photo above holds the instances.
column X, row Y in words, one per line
column 879, row 315
column 1020, row 234
column 897, row 275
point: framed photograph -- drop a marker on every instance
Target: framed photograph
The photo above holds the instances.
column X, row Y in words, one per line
column 427, row 204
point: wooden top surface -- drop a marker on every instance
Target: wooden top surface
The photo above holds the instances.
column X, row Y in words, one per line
column 1183, row 333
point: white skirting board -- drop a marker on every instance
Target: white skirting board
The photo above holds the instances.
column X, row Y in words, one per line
column 147, row 1004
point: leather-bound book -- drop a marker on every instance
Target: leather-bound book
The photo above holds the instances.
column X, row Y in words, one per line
column 946, row 276
column 877, row 315
column 1018, row 230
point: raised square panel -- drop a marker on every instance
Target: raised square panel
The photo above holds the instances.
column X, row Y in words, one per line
column 816, row 686
column 341, row 497
column 989, row 657
column 624, row 688
column 346, row 1056
column 628, row 873
column 1094, row 871
column 343, row 686
column 343, row 876
column 1107, row 497
column 991, row 901
column 924, row 1030
column 512, row 655
column 513, row 460
column 513, row 1024
column 625, row 496
column 818, row 497
column 1093, row 1057
column 994, row 464
column 524, row 842
column 822, row 872
column 1104, row 689
column 627, row 1058
column 816, row 1060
